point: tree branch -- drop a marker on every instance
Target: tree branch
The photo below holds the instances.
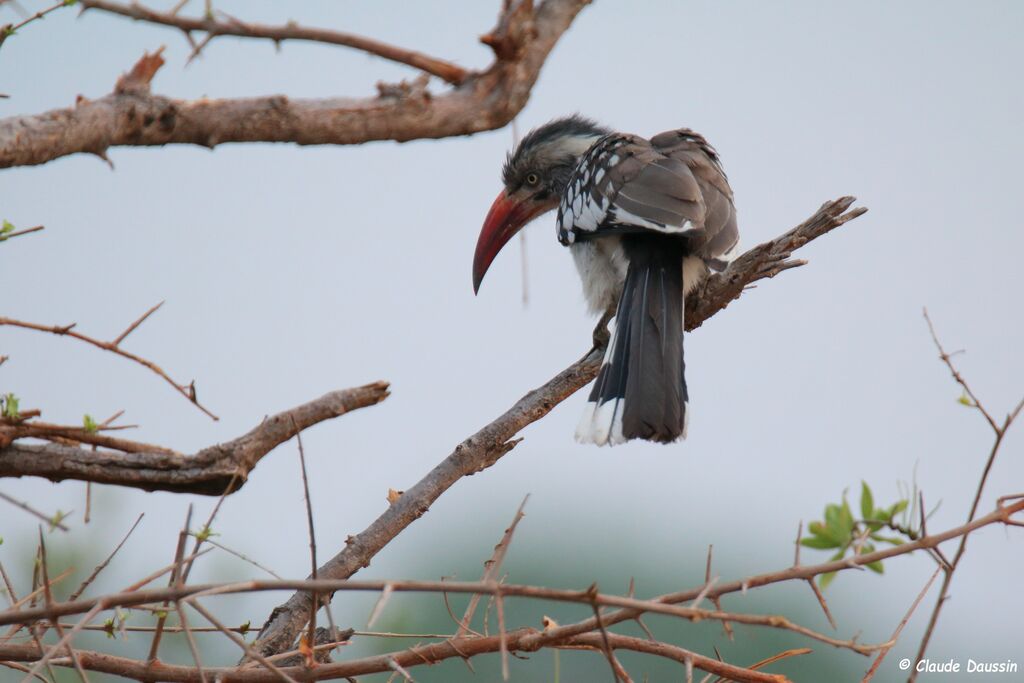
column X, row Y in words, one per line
column 211, row 471
column 134, row 117
column 486, row 447
column 450, row 73
column 584, row 633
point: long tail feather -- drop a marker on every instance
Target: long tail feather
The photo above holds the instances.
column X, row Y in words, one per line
column 640, row 391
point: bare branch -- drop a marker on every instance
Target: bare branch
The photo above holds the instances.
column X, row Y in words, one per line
column 211, row 471
column 186, row 390
column 446, row 71
column 486, row 100
column 52, row 520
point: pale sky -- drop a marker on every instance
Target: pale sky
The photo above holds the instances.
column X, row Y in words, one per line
column 292, row 271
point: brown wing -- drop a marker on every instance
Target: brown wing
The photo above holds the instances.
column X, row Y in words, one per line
column 671, row 184
column 720, row 239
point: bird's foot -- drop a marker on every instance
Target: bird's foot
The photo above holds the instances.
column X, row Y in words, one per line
column 601, row 334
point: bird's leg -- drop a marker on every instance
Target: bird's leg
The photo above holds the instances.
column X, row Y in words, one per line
column 601, row 333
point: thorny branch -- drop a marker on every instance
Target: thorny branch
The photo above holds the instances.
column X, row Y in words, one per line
column 211, row 471
column 231, row 26
column 133, row 116
column 186, row 390
column 585, row 633
column 488, row 445
column 999, row 431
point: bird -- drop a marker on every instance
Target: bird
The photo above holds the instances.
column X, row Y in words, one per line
column 646, row 221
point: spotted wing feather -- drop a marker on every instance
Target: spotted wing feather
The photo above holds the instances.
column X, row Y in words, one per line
column 672, row 184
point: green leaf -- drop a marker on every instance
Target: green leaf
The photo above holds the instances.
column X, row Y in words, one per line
column 867, row 501
column 204, row 534
column 244, row 628
column 70, row 3
column 965, row 400
column 876, row 567
column 819, row 542
column 57, row 518
column 825, row 579
column 7, row 226
column 897, row 508
column 89, row 424
column 832, row 521
column 846, row 518
column 818, row 529
column 894, row 540
column 10, row 402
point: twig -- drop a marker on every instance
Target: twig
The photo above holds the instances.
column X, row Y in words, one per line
column 176, row 581
column 103, row 565
column 949, row 567
column 52, row 521
column 26, row 231
column 444, row 70
column 899, row 628
column 186, row 390
column 239, row 641
column 191, row 640
column 491, row 568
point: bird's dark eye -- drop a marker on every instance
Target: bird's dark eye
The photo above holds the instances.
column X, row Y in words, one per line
column 532, row 179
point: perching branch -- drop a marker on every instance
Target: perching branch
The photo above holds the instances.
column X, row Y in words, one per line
column 486, row 447
column 133, row 116
column 211, row 471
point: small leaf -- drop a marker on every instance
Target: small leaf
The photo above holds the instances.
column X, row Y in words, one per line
column 57, row 518
column 825, row 579
column 898, row 508
column 876, row 567
column 819, row 542
column 965, row 400
column 894, row 540
column 89, row 424
column 818, row 529
column 7, row 227
column 10, row 402
column 867, row 501
column 832, row 521
column 244, row 628
column 204, row 534
column 846, row 518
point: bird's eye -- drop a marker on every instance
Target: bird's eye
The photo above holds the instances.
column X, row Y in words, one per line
column 532, row 179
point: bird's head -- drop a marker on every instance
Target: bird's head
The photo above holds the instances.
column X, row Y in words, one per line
column 534, row 175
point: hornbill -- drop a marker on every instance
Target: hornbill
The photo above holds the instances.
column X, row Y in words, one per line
column 645, row 220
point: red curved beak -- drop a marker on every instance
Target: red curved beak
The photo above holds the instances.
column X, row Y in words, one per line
column 507, row 217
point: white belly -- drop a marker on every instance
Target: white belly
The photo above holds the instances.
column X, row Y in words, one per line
column 602, row 266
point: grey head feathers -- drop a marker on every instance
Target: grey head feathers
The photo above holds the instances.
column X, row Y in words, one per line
column 551, row 152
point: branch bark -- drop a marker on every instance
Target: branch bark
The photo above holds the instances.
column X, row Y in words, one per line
column 211, row 471
column 486, row 447
column 485, row 100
